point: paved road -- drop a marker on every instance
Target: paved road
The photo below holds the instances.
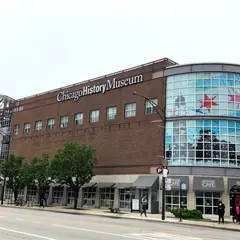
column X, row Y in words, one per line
column 22, row 224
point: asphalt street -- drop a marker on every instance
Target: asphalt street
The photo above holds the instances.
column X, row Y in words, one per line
column 31, row 224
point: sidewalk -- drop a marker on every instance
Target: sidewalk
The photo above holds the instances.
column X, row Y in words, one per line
column 135, row 216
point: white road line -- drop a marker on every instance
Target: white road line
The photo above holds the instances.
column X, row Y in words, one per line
column 25, row 233
column 19, row 219
column 35, row 222
column 162, row 236
column 93, row 231
column 3, row 217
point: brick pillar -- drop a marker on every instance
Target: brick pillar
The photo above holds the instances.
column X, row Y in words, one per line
column 225, row 197
column 191, row 196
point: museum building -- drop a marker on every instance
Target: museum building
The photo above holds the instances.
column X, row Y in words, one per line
column 198, row 132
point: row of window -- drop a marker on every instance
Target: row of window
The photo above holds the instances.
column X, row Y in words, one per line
column 129, row 111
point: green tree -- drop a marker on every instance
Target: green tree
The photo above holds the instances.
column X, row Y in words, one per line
column 12, row 168
column 37, row 173
column 73, row 165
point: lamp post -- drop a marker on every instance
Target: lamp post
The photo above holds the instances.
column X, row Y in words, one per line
column 163, row 169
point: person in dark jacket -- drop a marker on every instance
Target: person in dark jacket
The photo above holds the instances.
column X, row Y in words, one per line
column 144, row 204
column 221, row 211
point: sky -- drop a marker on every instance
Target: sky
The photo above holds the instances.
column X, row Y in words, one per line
column 47, row 44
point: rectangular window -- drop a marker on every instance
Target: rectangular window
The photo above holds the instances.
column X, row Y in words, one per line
column 94, row 116
column 130, row 110
column 16, row 129
column 149, row 106
column 38, row 126
column 78, row 118
column 50, row 123
column 111, row 113
column 27, row 127
column 63, row 121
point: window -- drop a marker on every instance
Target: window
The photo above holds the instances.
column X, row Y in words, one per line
column 58, row 195
column 16, row 129
column 111, row 113
column 89, row 196
column 78, row 118
column 32, row 194
column 149, row 106
column 106, row 197
column 207, row 202
column 63, row 121
column 126, row 196
column 38, row 126
column 130, row 110
column 70, row 199
column 173, row 200
column 94, row 116
column 50, row 123
column 27, row 127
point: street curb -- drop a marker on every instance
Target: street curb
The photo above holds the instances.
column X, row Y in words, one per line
column 123, row 217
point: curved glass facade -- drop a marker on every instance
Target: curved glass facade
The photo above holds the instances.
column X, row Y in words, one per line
column 199, row 94
column 214, row 141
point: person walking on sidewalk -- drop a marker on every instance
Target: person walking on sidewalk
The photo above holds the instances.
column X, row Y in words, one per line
column 144, row 204
column 238, row 213
column 221, row 211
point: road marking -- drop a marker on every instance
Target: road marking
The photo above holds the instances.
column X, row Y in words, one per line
column 3, row 217
column 25, row 233
column 93, row 231
column 19, row 219
column 162, row 236
column 36, row 222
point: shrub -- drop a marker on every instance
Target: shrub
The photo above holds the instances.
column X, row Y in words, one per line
column 187, row 214
column 114, row 210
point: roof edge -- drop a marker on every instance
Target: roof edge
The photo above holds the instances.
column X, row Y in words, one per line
column 98, row 78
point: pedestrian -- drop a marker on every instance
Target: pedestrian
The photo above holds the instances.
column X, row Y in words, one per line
column 221, row 211
column 144, row 204
column 238, row 213
column 41, row 202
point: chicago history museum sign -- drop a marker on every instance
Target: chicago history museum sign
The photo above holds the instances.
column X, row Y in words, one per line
column 101, row 88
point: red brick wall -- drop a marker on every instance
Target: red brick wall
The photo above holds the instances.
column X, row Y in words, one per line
column 124, row 146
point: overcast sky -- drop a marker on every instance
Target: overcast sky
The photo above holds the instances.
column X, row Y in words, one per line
column 46, row 44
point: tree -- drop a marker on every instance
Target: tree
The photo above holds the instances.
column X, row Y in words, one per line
column 11, row 168
column 73, row 165
column 37, row 173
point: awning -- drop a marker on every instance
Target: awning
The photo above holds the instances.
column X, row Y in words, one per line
column 176, row 180
column 232, row 182
column 123, row 185
column 105, row 185
column 146, row 182
column 90, row 184
column 208, row 184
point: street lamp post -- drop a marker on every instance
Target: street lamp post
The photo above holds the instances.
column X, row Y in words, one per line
column 162, row 169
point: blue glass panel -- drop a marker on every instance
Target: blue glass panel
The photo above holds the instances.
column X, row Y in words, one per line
column 223, row 76
column 215, row 75
column 230, row 76
column 200, row 123
column 207, row 82
column 231, row 124
column 237, row 77
column 238, row 126
column 207, row 123
column 199, row 83
column 169, row 139
column 230, row 83
column 223, row 83
column 215, row 82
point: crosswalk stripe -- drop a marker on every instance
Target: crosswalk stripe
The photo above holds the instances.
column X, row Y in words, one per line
column 161, row 236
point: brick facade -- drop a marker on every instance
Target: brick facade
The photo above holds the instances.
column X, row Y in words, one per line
column 124, row 146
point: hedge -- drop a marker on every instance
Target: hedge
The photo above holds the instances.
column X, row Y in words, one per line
column 187, row 214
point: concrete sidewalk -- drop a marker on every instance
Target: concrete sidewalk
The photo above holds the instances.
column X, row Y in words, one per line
column 135, row 216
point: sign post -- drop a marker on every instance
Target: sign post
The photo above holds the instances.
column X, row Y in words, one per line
column 183, row 186
column 164, row 171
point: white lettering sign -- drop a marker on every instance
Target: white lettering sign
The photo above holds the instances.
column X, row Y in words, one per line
column 175, row 182
column 101, row 88
column 208, row 184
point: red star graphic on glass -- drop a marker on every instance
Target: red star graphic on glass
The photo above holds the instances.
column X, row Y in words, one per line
column 208, row 102
column 235, row 98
